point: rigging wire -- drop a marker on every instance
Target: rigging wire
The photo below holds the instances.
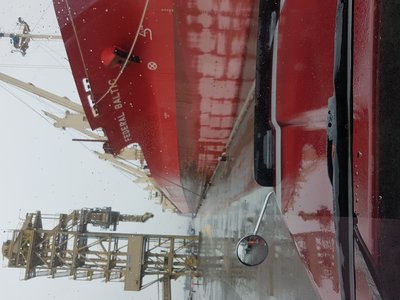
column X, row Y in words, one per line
column 78, row 43
column 72, row 135
column 126, row 61
column 129, row 55
column 50, row 52
column 48, row 121
column 24, row 103
column 39, row 114
column 125, row 175
column 163, row 177
column 53, row 106
column 87, row 148
column 41, row 17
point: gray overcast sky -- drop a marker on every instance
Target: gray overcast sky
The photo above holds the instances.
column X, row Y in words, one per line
column 42, row 169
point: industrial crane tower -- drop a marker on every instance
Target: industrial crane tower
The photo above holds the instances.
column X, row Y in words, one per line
column 69, row 249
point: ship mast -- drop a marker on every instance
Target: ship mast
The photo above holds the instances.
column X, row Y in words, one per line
column 32, row 36
column 20, row 41
column 69, row 249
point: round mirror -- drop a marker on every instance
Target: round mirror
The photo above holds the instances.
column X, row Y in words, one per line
column 252, row 250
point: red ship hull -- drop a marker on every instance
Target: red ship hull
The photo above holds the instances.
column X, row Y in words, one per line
column 303, row 86
column 180, row 101
column 305, row 81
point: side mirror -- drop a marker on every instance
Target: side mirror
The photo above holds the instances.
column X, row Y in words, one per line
column 252, row 249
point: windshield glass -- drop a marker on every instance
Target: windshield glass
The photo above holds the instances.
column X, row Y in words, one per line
column 173, row 122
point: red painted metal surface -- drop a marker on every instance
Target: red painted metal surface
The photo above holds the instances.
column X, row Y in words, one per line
column 215, row 45
column 304, row 85
column 179, row 103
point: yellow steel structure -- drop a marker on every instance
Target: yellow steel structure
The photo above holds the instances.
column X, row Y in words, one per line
column 70, row 249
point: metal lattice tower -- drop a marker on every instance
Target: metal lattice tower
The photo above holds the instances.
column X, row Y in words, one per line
column 69, row 249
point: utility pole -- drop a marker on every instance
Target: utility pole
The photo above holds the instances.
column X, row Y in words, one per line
column 69, row 249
